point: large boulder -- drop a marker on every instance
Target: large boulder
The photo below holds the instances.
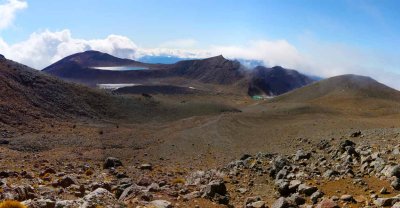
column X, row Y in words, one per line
column 215, row 187
column 100, row 197
column 277, row 164
column 281, row 203
column 132, row 190
column 307, row 190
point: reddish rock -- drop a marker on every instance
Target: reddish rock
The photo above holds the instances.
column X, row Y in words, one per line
column 327, row 203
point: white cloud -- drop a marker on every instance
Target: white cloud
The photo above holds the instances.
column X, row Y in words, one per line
column 272, row 53
column 8, row 10
column 42, row 49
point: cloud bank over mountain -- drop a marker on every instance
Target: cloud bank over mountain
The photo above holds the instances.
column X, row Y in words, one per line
column 314, row 57
column 321, row 59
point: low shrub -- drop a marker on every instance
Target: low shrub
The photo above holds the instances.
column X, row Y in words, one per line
column 11, row 204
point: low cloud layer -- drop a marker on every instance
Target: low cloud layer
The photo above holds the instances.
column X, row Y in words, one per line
column 42, row 49
column 315, row 58
column 8, row 11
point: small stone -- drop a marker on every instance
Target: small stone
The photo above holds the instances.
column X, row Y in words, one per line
column 346, row 198
column 356, row 134
column 383, row 190
column 66, row 181
column 301, row 154
column 327, row 203
column 258, row 204
column 395, row 171
column 396, row 184
column 360, row 199
column 242, row 190
column 146, row 167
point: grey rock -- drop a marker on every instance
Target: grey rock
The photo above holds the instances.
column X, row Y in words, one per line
column 154, row 187
column 161, row 204
column 282, row 202
column 296, row 199
column 307, row 190
column 277, row 164
column 282, row 173
column 66, row 181
column 100, row 197
column 383, row 202
column 257, row 204
column 396, row 184
column 111, row 162
column 315, row 196
column 347, row 198
column 395, row 171
column 294, row 184
column 132, row 190
column 192, row 195
column 213, row 188
column 67, row 204
column 329, row 173
column 40, row 203
column 250, row 200
column 282, row 187
column 301, row 154
column 242, row 190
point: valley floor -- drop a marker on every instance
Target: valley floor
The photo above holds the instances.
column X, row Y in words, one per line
column 63, row 162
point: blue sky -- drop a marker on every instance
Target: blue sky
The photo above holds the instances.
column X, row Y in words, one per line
column 324, row 38
column 151, row 22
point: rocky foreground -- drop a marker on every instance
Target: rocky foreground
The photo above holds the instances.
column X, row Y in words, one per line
column 334, row 173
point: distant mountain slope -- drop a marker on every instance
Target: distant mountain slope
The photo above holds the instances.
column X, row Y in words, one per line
column 342, row 87
column 78, row 67
column 93, row 59
column 216, row 71
column 28, row 96
column 350, row 95
column 276, row 81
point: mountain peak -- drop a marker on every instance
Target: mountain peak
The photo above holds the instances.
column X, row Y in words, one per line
column 218, row 58
column 89, row 59
column 277, row 67
column 2, row 57
column 342, row 86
